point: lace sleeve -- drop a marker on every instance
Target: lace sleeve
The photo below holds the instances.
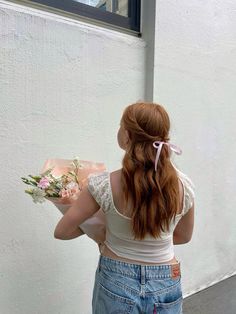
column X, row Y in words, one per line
column 189, row 193
column 98, row 186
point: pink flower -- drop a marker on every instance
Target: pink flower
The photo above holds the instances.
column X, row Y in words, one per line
column 73, row 188
column 74, row 191
column 65, row 193
column 44, row 183
column 70, row 190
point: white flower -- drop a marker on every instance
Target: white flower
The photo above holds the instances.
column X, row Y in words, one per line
column 38, row 195
column 76, row 162
column 71, row 185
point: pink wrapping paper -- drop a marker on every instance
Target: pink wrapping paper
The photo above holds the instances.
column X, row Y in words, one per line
column 94, row 227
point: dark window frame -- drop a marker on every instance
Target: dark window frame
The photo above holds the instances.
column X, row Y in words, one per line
column 132, row 22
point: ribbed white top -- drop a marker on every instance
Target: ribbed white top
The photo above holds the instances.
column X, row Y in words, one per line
column 119, row 237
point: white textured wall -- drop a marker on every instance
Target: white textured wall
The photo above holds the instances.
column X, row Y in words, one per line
column 195, row 75
column 63, row 87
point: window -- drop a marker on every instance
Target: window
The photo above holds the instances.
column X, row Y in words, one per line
column 121, row 13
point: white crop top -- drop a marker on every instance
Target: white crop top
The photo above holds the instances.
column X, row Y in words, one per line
column 119, row 237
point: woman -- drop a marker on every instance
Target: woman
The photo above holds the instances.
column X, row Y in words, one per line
column 149, row 207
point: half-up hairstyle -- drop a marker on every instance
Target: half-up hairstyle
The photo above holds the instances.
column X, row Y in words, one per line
column 153, row 195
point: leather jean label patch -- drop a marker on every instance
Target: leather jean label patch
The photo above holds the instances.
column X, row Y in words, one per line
column 175, row 271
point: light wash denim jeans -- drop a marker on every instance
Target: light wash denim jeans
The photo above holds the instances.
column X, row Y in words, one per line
column 125, row 288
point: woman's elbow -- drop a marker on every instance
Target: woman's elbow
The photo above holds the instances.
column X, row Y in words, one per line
column 187, row 239
column 182, row 238
column 58, row 235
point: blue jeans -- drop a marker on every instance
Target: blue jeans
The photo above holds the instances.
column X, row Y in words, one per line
column 125, row 288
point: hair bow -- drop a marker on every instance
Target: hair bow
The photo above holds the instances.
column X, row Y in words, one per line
column 159, row 144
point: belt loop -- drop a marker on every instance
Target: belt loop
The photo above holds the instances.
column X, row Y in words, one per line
column 142, row 280
column 143, row 274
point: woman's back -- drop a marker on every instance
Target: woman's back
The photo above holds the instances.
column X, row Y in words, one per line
column 119, row 198
column 120, row 243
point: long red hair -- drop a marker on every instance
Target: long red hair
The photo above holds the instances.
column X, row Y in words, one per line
column 154, row 195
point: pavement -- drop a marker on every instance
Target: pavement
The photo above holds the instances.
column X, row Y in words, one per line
column 217, row 299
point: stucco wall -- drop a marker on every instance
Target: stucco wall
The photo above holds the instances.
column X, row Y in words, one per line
column 194, row 76
column 64, row 85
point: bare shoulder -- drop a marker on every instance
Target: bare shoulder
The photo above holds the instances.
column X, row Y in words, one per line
column 116, row 188
column 115, row 179
column 116, row 172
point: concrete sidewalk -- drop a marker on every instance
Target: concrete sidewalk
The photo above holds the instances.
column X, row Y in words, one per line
column 218, row 299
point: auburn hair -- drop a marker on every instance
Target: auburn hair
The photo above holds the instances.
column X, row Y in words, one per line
column 153, row 195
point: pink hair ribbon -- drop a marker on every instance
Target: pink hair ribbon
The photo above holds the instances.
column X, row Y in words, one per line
column 158, row 145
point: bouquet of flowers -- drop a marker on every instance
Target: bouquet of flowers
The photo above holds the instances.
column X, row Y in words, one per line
column 47, row 185
column 60, row 182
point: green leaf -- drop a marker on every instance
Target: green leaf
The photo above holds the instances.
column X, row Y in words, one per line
column 25, row 180
column 30, row 192
column 47, row 172
column 36, row 178
column 33, row 183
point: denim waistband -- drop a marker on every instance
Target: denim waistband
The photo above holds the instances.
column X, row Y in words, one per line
column 139, row 271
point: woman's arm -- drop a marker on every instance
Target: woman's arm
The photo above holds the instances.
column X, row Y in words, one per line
column 75, row 234
column 184, row 229
column 83, row 208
